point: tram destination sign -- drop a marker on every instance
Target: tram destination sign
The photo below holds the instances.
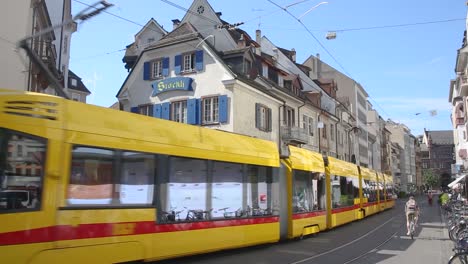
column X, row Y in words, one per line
column 170, row 84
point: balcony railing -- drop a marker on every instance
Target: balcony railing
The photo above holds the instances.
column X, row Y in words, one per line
column 294, row 135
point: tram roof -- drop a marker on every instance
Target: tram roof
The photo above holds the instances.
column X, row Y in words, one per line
column 303, row 159
column 98, row 126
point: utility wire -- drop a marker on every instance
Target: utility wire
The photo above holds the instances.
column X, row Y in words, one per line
column 400, row 25
column 310, row 32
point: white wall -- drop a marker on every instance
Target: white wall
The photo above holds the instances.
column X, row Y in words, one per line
column 14, row 69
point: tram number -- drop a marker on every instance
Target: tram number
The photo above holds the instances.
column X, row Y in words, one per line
column 123, row 229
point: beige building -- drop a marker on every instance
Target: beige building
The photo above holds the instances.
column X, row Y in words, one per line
column 31, row 18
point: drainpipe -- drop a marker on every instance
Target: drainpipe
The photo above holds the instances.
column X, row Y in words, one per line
column 298, row 113
column 279, row 124
column 318, row 133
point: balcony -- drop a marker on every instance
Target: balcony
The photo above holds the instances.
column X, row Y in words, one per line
column 296, row 135
column 463, row 85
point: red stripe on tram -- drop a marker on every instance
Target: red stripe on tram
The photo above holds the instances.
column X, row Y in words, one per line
column 68, row 232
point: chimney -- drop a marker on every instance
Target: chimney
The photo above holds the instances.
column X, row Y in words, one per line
column 258, row 39
column 241, row 42
column 219, row 14
column 175, row 23
column 293, row 55
column 319, row 65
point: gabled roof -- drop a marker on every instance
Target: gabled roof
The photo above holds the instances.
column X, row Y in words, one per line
column 441, row 137
column 79, row 84
column 150, row 22
column 184, row 31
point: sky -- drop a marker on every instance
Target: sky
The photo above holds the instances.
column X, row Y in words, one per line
column 403, row 52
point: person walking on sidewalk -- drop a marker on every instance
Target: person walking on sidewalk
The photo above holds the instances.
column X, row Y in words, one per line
column 411, row 208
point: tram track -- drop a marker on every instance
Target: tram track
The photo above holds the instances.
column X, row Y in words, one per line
column 353, row 242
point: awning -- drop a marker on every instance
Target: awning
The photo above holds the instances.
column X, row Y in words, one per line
column 452, row 184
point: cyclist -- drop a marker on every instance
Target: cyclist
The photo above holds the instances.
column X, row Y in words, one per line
column 411, row 208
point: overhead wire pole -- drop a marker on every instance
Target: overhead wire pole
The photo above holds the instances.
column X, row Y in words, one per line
column 310, row 32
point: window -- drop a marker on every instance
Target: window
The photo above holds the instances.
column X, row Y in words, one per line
column 369, row 189
column 200, row 190
column 344, row 191
column 156, row 69
column 179, row 111
column 19, row 152
column 332, row 132
column 308, row 124
column 311, row 126
column 145, row 110
column 324, row 131
column 308, row 191
column 111, row 177
column 227, row 189
column 210, row 110
column 187, row 189
column 263, row 118
column 188, row 62
column 289, row 116
column 74, row 82
column 91, row 180
column 20, row 190
column 76, row 97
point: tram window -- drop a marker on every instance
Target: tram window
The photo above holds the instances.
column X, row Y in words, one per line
column 227, row 189
column 261, row 192
column 91, row 180
column 308, row 191
column 344, row 191
column 187, row 189
column 137, row 178
column 20, row 191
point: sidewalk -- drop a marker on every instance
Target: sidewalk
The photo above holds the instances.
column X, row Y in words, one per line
column 430, row 245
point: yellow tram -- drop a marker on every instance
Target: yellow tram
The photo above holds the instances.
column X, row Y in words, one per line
column 85, row 184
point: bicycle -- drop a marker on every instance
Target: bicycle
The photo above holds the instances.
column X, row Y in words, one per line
column 461, row 253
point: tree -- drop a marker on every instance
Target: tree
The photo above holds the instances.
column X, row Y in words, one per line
column 429, row 178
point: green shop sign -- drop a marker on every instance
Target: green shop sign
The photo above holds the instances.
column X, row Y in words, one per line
column 170, row 84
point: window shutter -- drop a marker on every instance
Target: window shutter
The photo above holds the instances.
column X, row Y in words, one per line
column 269, row 120
column 157, row 110
column 165, row 113
column 165, row 67
column 223, row 109
column 134, row 109
column 257, row 115
column 177, row 64
column 146, row 70
column 199, row 60
column 192, row 111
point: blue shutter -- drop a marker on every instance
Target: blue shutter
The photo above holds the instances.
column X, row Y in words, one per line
column 165, row 67
column 192, row 111
column 134, row 109
column 199, row 60
column 146, row 70
column 165, row 113
column 223, row 108
column 177, row 64
column 157, row 110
